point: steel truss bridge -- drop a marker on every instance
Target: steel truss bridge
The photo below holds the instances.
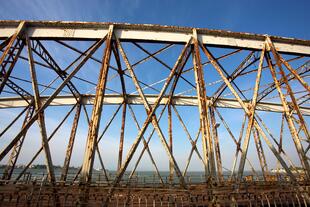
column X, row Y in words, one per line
column 217, row 87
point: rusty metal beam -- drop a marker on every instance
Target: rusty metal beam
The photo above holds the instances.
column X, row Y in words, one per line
column 70, row 143
column 116, row 69
column 121, row 141
column 192, row 151
column 41, row 116
column 116, row 99
column 289, row 67
column 14, row 121
column 99, row 139
column 242, row 67
column 121, row 73
column 162, row 63
column 151, row 33
column 207, row 143
column 217, row 150
column 92, row 136
column 237, row 143
column 170, row 136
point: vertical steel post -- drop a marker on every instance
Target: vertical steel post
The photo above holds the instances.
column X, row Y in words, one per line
column 203, row 109
column 121, row 140
column 216, row 145
column 41, row 117
column 124, row 93
column 171, row 167
column 92, row 136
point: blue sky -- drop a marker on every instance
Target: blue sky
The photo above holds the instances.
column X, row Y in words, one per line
column 277, row 17
column 282, row 18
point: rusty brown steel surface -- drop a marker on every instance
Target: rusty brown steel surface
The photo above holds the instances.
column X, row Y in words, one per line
column 207, row 143
column 216, row 145
column 170, row 141
column 71, row 143
column 96, row 113
column 124, row 93
column 41, row 116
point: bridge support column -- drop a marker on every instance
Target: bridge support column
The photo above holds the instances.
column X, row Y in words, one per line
column 91, row 143
column 171, row 167
column 216, row 145
column 203, row 109
column 96, row 113
column 41, row 116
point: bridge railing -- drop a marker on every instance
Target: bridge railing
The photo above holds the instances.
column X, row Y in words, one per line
column 152, row 180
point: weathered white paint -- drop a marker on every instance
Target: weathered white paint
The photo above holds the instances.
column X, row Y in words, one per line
column 111, row 99
column 84, row 30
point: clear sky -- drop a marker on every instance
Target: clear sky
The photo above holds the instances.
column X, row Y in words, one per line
column 279, row 17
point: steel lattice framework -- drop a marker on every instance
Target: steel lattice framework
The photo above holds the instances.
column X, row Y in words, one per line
column 273, row 68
